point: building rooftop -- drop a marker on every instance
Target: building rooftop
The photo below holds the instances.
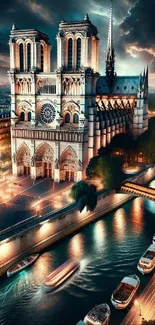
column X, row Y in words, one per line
column 123, row 85
column 82, row 24
column 30, row 32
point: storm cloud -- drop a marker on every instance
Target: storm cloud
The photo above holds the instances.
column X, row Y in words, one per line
column 133, row 28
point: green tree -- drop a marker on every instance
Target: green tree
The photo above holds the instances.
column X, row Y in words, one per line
column 78, row 190
column 85, row 195
column 125, row 144
column 107, row 169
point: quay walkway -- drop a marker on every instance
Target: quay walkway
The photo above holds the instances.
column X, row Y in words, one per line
column 144, row 306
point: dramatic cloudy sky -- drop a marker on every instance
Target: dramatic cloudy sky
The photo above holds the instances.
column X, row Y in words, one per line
column 134, row 36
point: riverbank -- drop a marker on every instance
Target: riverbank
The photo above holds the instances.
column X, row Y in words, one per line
column 49, row 231
column 104, row 206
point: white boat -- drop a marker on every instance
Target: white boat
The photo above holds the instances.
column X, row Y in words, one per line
column 99, row 315
column 125, row 291
column 146, row 263
column 61, row 274
column 21, row 265
column 153, row 239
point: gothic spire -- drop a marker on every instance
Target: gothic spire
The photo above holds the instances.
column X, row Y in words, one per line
column 110, row 30
column 14, row 27
column 86, row 17
column 110, row 59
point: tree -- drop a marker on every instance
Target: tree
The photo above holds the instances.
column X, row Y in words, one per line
column 79, row 190
column 85, row 195
column 125, row 144
column 107, row 169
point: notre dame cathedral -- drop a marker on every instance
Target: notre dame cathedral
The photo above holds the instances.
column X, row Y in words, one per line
column 60, row 119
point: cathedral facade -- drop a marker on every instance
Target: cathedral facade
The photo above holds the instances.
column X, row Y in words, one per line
column 60, row 119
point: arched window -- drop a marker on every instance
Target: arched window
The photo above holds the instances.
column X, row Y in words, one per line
column 28, row 56
column 21, row 55
column 22, row 116
column 75, row 118
column 67, row 118
column 29, row 116
column 78, row 53
column 70, row 52
column 42, row 58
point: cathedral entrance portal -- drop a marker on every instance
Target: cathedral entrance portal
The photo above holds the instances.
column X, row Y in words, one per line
column 26, row 170
column 68, row 166
column 44, row 161
column 47, row 169
column 23, row 159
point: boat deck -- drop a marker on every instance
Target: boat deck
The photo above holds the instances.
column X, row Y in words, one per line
column 98, row 314
column 123, row 293
column 21, row 264
column 149, row 254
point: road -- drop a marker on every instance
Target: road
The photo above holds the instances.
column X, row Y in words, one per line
column 144, row 307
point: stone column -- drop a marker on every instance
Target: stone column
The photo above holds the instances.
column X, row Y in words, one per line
column 12, row 55
column 33, row 92
column 103, row 134
column 91, row 134
column 56, row 163
column 97, row 135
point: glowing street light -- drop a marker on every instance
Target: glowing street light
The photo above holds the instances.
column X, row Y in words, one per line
column 140, row 307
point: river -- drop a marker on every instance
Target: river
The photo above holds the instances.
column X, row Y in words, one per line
column 108, row 249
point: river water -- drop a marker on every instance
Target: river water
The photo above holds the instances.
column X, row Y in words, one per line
column 108, row 250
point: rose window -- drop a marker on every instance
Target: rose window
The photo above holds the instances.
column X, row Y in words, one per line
column 47, row 113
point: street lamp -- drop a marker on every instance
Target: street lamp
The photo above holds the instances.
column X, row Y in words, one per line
column 140, row 307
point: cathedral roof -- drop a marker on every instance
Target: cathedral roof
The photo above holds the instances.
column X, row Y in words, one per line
column 80, row 25
column 123, row 85
column 29, row 32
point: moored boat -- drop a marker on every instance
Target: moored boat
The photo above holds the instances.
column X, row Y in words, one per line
column 125, row 291
column 21, row 265
column 153, row 239
column 146, row 263
column 61, row 274
column 99, row 315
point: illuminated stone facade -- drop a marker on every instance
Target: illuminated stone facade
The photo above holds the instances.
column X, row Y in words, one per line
column 60, row 119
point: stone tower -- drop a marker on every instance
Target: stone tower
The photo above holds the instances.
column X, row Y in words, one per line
column 49, row 110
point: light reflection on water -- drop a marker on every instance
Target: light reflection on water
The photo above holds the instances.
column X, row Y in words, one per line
column 137, row 212
column 100, row 234
column 108, row 249
column 76, row 246
column 119, row 224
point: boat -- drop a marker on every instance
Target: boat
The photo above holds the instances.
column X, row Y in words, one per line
column 146, row 263
column 125, row 291
column 99, row 315
column 21, row 265
column 153, row 239
column 62, row 273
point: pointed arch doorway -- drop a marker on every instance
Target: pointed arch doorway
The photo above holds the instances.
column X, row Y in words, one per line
column 44, row 161
column 68, row 165
column 23, row 160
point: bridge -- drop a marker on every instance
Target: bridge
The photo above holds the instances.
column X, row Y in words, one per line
column 138, row 190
